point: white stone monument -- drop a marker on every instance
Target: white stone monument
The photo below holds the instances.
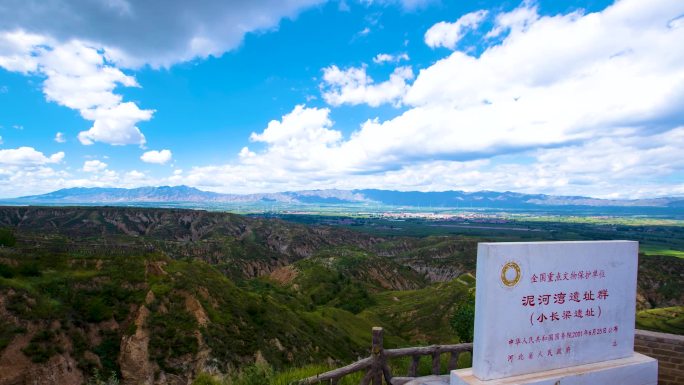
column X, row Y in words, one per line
column 556, row 311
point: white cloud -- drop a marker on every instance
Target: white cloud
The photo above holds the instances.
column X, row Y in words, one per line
column 607, row 167
column 19, row 50
column 21, row 181
column 353, row 86
column 158, row 157
column 28, row 173
column 408, row 5
column 94, row 166
column 134, row 175
column 59, row 137
column 567, row 104
column 18, row 181
column 135, row 33
column 517, row 20
column 610, row 69
column 363, row 32
column 301, row 126
column 115, row 125
column 444, row 34
column 78, row 76
column 28, row 156
column 382, row 58
column 81, row 60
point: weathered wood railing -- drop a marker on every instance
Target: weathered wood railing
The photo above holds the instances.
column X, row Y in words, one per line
column 377, row 368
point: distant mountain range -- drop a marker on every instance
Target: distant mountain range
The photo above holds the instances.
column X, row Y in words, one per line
column 185, row 194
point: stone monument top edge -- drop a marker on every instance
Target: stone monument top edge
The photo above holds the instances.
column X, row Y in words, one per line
column 555, row 242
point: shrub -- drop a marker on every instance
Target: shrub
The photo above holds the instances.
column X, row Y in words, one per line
column 258, row 374
column 463, row 321
column 7, row 237
column 172, row 334
column 97, row 311
column 206, row 379
column 29, row 269
column 96, row 379
column 42, row 347
column 108, row 350
column 6, row 271
column 7, row 332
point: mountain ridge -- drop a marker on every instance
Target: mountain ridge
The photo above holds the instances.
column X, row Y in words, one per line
column 451, row 198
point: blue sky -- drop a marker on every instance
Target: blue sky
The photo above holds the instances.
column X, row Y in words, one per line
column 572, row 97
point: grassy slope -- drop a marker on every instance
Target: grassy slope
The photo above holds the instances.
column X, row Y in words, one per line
column 667, row 320
column 87, row 291
column 422, row 316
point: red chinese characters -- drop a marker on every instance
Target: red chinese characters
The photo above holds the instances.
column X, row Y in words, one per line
column 552, row 276
column 549, row 353
column 528, row 300
column 559, row 298
column 514, row 342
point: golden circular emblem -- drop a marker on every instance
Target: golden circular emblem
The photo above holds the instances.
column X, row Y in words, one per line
column 506, row 274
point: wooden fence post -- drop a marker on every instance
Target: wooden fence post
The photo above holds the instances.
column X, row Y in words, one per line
column 413, row 369
column 376, row 351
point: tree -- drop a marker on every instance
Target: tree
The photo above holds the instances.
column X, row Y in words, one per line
column 7, row 237
column 463, row 320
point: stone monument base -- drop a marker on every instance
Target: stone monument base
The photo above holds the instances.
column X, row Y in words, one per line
column 635, row 370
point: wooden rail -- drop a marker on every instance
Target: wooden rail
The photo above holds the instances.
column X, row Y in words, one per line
column 376, row 366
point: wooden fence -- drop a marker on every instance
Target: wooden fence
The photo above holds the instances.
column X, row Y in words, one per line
column 377, row 368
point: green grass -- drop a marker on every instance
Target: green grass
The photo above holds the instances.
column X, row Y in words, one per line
column 420, row 316
column 288, row 376
column 666, row 320
column 650, row 250
column 265, row 375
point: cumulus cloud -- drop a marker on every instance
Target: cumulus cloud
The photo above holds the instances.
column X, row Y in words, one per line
column 28, row 156
column 134, row 175
column 28, row 172
column 607, row 167
column 569, row 104
column 94, row 166
column 444, row 34
column 59, row 137
column 80, row 47
column 19, row 50
column 354, row 86
column 135, row 33
column 302, row 125
column 78, row 76
column 158, row 157
column 621, row 67
column 517, row 20
column 115, row 125
column 382, row 58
